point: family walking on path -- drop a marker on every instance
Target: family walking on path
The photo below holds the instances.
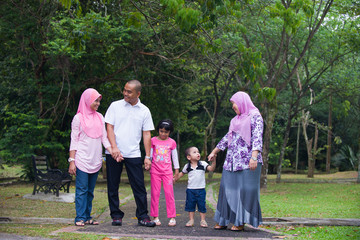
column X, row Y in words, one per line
column 128, row 121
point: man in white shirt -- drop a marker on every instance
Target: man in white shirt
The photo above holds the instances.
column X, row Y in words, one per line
column 127, row 121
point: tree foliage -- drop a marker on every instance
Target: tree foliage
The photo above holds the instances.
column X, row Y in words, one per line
column 191, row 56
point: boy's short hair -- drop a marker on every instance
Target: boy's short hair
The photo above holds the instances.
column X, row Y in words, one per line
column 187, row 151
column 167, row 124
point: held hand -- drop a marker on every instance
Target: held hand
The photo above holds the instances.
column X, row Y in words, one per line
column 253, row 164
column 147, row 163
column 119, row 158
column 176, row 177
column 115, row 153
column 212, row 157
column 72, row 168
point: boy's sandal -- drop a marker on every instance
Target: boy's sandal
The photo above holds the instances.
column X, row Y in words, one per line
column 80, row 223
column 91, row 222
column 190, row 223
column 219, row 227
column 237, row 228
column 172, row 223
column 203, row 224
column 157, row 222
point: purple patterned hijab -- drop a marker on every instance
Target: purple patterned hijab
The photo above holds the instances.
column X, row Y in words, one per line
column 241, row 124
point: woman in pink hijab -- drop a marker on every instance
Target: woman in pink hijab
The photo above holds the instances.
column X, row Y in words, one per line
column 239, row 194
column 88, row 134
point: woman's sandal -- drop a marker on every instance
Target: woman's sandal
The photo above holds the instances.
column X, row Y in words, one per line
column 80, row 223
column 203, row 224
column 190, row 223
column 172, row 222
column 91, row 222
column 219, row 227
column 237, row 228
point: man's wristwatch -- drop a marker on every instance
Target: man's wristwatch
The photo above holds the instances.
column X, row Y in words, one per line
column 254, row 158
column 71, row 159
column 147, row 157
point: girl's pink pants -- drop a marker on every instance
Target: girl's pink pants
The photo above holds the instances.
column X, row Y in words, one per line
column 167, row 180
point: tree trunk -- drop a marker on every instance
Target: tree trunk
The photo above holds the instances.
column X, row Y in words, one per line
column 328, row 151
column 270, row 112
column 213, row 137
column 310, row 158
column 283, row 147
column 178, row 144
column 297, row 149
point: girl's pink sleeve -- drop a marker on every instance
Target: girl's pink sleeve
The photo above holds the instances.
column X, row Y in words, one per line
column 75, row 133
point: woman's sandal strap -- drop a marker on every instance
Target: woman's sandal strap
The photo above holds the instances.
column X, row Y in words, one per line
column 91, row 222
column 80, row 223
column 219, row 227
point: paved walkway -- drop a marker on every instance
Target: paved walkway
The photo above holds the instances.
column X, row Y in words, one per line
column 131, row 229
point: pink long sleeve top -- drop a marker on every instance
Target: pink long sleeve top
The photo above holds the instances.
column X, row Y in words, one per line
column 88, row 156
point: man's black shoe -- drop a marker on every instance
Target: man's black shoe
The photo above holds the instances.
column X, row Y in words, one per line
column 117, row 222
column 146, row 223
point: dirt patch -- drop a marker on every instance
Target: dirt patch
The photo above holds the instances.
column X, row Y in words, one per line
column 337, row 175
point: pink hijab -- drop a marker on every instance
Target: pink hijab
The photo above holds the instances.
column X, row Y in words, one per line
column 90, row 120
column 241, row 124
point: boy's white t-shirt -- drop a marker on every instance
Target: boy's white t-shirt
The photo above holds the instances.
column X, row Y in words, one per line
column 196, row 177
column 129, row 123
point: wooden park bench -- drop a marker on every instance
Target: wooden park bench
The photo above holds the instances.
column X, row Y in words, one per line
column 49, row 180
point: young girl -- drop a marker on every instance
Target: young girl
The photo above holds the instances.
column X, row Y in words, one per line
column 195, row 192
column 163, row 150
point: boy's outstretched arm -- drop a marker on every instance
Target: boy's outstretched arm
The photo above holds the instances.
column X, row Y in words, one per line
column 178, row 176
column 212, row 167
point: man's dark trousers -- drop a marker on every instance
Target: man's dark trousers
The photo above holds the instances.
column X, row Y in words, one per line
column 135, row 174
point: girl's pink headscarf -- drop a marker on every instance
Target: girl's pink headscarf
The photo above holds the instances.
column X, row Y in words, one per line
column 241, row 124
column 90, row 120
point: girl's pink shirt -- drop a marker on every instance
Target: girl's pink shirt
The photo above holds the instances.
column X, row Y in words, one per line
column 88, row 156
column 161, row 158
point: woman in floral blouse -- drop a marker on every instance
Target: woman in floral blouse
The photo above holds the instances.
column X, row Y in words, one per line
column 239, row 194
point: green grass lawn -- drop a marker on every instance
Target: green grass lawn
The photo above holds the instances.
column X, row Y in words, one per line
column 313, row 200
column 12, row 203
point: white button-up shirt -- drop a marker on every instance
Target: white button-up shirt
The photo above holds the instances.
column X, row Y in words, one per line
column 129, row 122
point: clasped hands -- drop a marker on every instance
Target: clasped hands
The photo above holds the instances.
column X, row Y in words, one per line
column 212, row 157
column 116, row 154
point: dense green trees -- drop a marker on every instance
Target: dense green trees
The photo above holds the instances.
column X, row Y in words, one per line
column 191, row 57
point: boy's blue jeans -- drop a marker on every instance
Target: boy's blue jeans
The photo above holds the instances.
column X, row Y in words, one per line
column 195, row 197
column 84, row 194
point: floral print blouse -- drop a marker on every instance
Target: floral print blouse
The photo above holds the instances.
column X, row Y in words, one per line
column 239, row 152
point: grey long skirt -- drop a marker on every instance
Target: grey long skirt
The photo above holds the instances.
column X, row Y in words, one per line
column 239, row 198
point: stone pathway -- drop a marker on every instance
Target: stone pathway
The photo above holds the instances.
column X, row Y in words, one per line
column 131, row 229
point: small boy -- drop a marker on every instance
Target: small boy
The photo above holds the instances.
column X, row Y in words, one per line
column 195, row 192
